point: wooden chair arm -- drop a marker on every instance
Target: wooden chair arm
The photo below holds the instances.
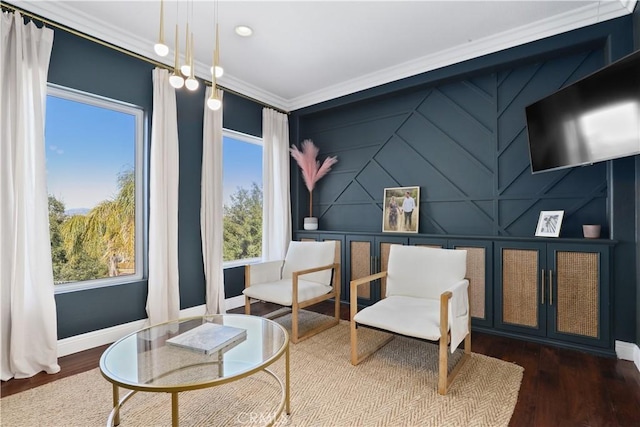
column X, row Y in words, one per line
column 353, row 301
column 444, row 313
column 357, row 282
column 267, row 271
column 315, row 269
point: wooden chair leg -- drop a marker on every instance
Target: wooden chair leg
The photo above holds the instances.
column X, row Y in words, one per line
column 294, row 323
column 247, row 305
column 354, row 342
column 445, row 378
column 443, row 363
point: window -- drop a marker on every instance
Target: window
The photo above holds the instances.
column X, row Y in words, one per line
column 94, row 157
column 242, row 192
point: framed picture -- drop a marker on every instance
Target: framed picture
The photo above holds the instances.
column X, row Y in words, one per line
column 549, row 223
column 401, row 210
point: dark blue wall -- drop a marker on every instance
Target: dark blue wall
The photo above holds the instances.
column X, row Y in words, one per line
column 460, row 134
column 81, row 64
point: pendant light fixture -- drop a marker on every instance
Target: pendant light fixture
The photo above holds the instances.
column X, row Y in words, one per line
column 161, row 48
column 184, row 75
column 185, row 68
column 214, row 102
column 191, row 83
column 176, row 80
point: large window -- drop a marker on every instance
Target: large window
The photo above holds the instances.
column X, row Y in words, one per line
column 242, row 192
column 94, row 155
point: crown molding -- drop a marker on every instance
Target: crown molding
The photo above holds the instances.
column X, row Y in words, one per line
column 565, row 22
column 577, row 18
column 630, row 5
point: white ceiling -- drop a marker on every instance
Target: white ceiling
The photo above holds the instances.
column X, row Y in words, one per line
column 305, row 52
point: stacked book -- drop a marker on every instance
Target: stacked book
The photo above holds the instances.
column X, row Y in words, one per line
column 209, row 338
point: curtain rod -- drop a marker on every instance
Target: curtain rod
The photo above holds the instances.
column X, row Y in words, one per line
column 112, row 46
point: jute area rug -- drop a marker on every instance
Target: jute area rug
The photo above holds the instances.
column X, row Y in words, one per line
column 394, row 387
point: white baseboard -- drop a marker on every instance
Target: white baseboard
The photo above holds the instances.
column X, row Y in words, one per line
column 93, row 339
column 628, row 351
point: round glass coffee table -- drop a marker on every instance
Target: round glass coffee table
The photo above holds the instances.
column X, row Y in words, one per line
column 144, row 361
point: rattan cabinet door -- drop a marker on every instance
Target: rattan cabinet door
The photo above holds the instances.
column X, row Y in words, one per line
column 360, row 263
column 368, row 255
column 520, row 293
column 578, row 306
column 480, row 275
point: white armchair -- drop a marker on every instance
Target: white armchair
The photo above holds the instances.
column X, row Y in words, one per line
column 425, row 296
column 307, row 276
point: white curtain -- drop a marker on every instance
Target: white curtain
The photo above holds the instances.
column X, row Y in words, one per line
column 28, row 311
column 163, row 299
column 211, row 207
column 276, row 204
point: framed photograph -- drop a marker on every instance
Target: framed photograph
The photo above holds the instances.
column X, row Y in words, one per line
column 401, row 210
column 549, row 223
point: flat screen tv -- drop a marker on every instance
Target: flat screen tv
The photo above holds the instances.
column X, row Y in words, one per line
column 594, row 119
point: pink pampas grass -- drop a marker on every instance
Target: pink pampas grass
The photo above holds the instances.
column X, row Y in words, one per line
column 311, row 169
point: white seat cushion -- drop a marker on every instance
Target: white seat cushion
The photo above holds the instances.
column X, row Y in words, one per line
column 306, row 255
column 418, row 271
column 414, row 317
column 280, row 292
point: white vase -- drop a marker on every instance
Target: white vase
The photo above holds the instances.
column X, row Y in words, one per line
column 311, row 223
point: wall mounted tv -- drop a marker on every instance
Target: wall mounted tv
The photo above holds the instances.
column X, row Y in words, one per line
column 594, row 119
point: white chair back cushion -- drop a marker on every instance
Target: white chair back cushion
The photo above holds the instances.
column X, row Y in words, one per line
column 305, row 255
column 424, row 272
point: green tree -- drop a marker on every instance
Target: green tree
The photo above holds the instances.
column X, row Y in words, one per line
column 97, row 242
column 243, row 224
column 56, row 219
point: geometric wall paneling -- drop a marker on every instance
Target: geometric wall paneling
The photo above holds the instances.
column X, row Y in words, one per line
column 361, row 112
column 522, row 195
column 354, row 193
column 524, row 85
column 587, row 211
column 464, row 143
column 330, row 187
column 513, row 164
column 457, row 217
column 465, row 173
column 518, row 217
column 351, row 159
column 581, row 180
column 374, row 178
column 352, row 217
column 457, row 120
column 367, row 133
column 476, row 97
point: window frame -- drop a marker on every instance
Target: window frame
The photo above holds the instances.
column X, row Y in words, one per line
column 140, row 152
column 255, row 140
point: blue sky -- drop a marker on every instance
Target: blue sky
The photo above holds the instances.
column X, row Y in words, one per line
column 87, row 147
column 242, row 166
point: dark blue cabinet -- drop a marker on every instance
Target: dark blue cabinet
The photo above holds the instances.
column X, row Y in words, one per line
column 557, row 291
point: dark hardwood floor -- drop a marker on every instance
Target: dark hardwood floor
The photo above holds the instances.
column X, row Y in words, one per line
column 559, row 388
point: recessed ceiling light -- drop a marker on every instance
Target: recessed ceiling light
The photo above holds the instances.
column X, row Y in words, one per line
column 243, row 30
